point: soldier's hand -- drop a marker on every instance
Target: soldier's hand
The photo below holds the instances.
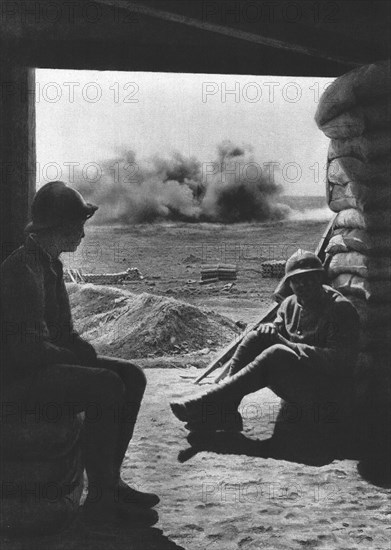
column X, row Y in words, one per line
column 268, row 329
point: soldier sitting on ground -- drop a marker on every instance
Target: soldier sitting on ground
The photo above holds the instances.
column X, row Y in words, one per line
column 305, row 355
column 46, row 361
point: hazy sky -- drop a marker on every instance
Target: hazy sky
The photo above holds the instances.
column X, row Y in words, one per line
column 88, row 116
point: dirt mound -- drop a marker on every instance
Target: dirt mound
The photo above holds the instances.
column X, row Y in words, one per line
column 120, row 323
column 191, row 259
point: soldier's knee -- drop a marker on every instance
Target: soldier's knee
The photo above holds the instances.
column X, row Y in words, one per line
column 279, row 360
column 139, row 378
column 279, row 351
column 110, row 384
column 249, row 339
column 134, row 377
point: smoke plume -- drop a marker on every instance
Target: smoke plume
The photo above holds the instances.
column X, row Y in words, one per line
column 311, row 215
column 233, row 188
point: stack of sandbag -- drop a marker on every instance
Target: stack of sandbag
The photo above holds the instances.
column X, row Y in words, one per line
column 220, row 272
column 354, row 112
column 356, row 107
column 273, row 268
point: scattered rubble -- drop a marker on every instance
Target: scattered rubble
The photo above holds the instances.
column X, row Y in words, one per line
column 209, row 281
column 228, row 287
column 191, row 259
column 77, row 276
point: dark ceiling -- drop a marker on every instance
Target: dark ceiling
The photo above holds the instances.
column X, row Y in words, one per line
column 280, row 37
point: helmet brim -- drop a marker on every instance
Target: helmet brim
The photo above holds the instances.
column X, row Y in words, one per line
column 283, row 289
column 88, row 211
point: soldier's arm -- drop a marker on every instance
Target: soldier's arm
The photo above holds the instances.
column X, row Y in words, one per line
column 254, row 343
column 25, row 333
column 341, row 340
column 82, row 349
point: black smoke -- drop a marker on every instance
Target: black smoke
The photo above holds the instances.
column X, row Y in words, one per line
column 232, row 188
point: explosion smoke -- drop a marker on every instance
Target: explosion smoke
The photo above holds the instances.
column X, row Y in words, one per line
column 233, row 188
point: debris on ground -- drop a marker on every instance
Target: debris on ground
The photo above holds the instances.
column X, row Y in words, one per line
column 228, row 287
column 77, row 276
column 191, row 259
column 124, row 324
column 221, row 272
column 209, row 281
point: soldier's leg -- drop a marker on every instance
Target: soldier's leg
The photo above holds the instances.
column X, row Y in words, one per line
column 134, row 382
column 97, row 392
column 308, row 392
column 251, row 346
column 256, row 375
column 296, row 380
column 100, row 392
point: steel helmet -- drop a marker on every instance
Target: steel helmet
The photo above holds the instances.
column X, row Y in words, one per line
column 302, row 261
column 55, row 204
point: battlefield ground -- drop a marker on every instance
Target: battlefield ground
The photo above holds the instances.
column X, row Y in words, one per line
column 222, row 501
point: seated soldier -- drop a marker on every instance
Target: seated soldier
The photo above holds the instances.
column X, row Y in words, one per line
column 44, row 360
column 306, row 355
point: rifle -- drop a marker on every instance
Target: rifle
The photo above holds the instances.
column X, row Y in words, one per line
column 228, row 352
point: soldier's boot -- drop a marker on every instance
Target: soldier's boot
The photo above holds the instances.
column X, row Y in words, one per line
column 218, row 406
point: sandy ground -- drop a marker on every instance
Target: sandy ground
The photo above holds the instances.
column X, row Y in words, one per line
column 227, row 502
column 170, row 258
column 239, row 502
column 224, row 502
column 233, row 502
column 215, row 501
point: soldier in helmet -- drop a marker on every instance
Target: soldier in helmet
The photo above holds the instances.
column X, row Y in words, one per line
column 305, row 355
column 46, row 361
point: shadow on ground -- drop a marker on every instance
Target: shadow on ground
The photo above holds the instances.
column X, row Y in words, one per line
column 101, row 537
column 375, row 470
column 239, row 444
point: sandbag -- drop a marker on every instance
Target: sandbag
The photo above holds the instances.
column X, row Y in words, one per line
column 372, row 291
column 373, row 361
column 376, row 340
column 365, row 364
column 361, row 241
column 358, row 121
column 356, row 195
column 368, row 147
column 370, row 365
column 372, row 315
column 362, row 85
column 368, row 267
column 378, row 220
column 336, row 245
column 344, row 170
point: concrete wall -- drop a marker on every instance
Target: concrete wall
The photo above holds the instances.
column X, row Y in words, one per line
column 17, row 152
